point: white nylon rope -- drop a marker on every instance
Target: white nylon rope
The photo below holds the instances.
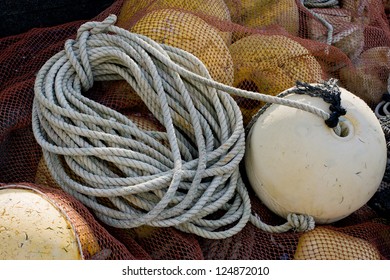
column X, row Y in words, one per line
column 187, row 177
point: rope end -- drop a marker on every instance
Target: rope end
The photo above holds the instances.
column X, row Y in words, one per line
column 300, row 223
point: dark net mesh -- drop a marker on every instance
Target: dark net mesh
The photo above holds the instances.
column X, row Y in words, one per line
column 262, row 46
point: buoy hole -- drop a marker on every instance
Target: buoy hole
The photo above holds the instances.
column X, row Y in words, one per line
column 346, row 129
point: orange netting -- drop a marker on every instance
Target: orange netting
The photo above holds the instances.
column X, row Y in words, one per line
column 262, row 46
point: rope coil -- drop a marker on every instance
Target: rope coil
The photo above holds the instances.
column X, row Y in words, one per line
column 187, row 177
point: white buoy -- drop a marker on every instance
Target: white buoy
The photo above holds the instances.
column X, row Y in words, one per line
column 32, row 227
column 297, row 164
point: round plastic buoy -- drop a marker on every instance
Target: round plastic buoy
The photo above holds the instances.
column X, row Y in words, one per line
column 297, row 164
column 33, row 228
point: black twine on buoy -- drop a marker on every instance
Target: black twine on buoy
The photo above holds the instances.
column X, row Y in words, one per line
column 330, row 93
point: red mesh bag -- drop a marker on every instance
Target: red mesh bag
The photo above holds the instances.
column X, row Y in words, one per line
column 231, row 45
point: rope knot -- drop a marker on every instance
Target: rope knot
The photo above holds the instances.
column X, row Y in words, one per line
column 96, row 27
column 300, row 223
column 333, row 120
column 77, row 50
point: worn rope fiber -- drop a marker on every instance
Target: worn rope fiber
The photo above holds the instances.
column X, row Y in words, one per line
column 186, row 177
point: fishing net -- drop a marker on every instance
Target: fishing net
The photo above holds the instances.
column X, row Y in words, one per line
column 260, row 46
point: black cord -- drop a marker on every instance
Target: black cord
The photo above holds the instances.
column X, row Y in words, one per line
column 330, row 93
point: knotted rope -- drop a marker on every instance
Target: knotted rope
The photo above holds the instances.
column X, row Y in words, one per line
column 187, row 177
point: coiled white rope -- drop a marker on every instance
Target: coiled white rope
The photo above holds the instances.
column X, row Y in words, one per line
column 187, row 177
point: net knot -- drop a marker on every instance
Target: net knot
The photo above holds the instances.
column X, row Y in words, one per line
column 300, row 223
